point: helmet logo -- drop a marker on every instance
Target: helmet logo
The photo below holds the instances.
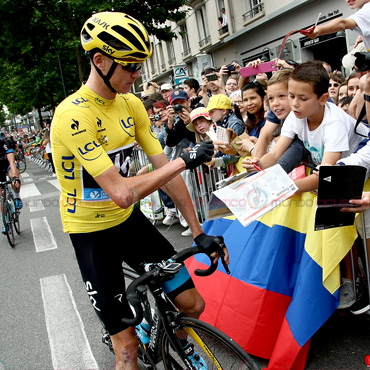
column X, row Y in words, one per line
column 108, row 49
column 101, row 23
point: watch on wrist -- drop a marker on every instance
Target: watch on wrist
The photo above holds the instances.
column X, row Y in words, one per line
column 367, row 97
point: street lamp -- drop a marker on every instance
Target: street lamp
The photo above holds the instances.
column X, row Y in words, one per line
column 286, row 50
column 266, row 57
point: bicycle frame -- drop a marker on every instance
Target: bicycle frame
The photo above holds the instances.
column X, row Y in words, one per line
column 164, row 320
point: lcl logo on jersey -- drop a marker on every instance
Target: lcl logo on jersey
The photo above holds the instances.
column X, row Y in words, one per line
column 127, row 125
column 86, row 151
column 74, row 126
column 79, row 101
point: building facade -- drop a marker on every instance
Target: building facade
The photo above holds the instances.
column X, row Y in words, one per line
column 255, row 29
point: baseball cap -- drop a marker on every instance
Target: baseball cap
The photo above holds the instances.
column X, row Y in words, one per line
column 196, row 113
column 348, row 61
column 166, row 86
column 178, row 94
column 220, row 101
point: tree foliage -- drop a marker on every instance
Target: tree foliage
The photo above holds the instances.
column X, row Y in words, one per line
column 39, row 36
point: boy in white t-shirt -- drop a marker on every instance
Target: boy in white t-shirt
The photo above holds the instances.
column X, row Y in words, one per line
column 326, row 131
column 359, row 22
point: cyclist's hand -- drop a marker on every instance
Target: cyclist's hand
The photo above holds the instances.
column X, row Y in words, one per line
column 197, row 155
column 16, row 183
column 211, row 244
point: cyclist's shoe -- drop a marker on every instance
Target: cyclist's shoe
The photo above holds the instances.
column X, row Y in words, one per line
column 4, row 230
column 196, row 360
column 18, row 203
column 106, row 340
column 142, row 332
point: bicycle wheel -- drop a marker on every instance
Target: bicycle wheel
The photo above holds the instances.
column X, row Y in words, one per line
column 7, row 221
column 15, row 214
column 217, row 350
column 21, row 165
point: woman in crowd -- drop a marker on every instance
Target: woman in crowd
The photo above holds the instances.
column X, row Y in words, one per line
column 253, row 95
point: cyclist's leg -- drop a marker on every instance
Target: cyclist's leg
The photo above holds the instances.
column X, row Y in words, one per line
column 101, row 270
column 16, row 187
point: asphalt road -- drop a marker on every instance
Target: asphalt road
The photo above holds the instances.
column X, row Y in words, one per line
column 46, row 319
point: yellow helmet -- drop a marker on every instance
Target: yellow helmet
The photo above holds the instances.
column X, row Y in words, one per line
column 117, row 35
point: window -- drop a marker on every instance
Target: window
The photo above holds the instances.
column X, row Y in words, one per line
column 252, row 8
column 161, row 61
column 204, row 36
column 171, row 53
column 184, row 40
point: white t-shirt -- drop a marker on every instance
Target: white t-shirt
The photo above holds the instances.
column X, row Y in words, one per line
column 362, row 18
column 335, row 133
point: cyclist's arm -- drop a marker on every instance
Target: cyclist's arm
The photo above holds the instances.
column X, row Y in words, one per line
column 178, row 192
column 13, row 168
column 127, row 191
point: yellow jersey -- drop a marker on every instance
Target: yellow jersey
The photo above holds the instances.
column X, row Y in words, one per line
column 89, row 134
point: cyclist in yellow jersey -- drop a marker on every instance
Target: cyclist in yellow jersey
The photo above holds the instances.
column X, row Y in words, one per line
column 92, row 135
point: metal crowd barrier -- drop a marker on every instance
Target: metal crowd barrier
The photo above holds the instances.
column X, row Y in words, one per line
column 200, row 182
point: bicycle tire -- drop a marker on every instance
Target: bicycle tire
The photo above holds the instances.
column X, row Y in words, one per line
column 22, row 165
column 7, row 221
column 15, row 215
column 227, row 354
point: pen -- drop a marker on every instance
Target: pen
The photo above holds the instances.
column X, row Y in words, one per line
column 310, row 166
column 257, row 167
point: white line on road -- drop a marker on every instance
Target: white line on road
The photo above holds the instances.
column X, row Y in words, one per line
column 35, row 205
column 29, row 190
column 43, row 238
column 69, row 345
column 55, row 183
column 25, row 174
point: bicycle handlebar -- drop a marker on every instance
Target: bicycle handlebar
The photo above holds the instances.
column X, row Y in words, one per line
column 137, row 288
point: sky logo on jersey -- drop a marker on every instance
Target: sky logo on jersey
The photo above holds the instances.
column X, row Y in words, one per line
column 90, row 151
column 128, row 125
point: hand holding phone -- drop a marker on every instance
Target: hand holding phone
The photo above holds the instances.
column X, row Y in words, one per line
column 261, row 68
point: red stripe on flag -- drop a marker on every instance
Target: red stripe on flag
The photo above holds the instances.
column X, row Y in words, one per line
column 254, row 315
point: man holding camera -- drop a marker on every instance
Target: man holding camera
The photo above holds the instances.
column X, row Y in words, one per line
column 211, row 84
column 191, row 87
column 178, row 137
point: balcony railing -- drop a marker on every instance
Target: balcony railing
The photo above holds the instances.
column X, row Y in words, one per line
column 154, row 71
column 163, row 66
column 223, row 30
column 186, row 53
column 205, row 41
column 172, row 61
column 254, row 11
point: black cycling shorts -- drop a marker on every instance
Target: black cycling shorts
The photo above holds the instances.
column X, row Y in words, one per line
column 100, row 255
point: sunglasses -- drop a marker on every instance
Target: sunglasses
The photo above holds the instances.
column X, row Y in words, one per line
column 131, row 67
column 334, row 85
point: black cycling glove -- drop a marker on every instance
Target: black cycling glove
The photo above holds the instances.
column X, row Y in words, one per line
column 209, row 243
column 200, row 153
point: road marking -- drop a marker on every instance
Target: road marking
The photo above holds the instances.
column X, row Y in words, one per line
column 36, row 205
column 29, row 190
column 27, row 180
column 43, row 238
column 69, row 345
column 25, row 174
column 55, row 183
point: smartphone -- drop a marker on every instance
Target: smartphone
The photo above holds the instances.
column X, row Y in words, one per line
column 230, row 68
column 212, row 77
column 261, row 68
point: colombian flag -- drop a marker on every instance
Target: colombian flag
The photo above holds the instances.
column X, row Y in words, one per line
column 284, row 281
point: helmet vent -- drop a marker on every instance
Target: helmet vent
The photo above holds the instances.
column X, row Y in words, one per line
column 114, row 43
column 86, row 37
column 129, row 36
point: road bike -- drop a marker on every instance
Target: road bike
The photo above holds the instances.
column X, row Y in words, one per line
column 20, row 161
column 10, row 214
column 217, row 350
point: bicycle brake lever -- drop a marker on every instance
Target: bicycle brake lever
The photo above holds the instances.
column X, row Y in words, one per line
column 222, row 256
